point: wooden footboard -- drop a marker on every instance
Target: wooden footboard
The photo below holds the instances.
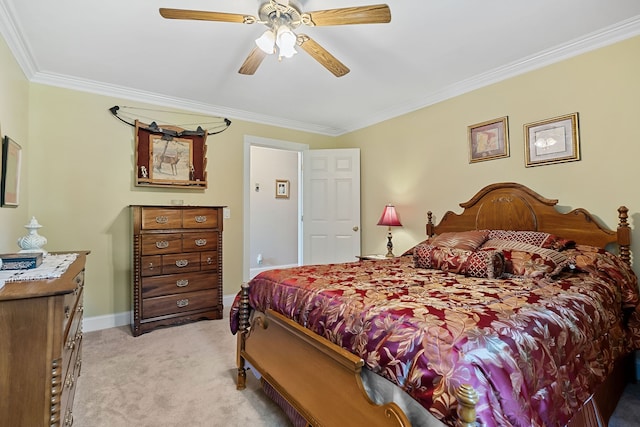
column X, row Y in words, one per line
column 318, row 378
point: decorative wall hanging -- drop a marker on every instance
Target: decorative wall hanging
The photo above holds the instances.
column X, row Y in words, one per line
column 170, row 155
column 553, row 140
column 11, row 163
column 489, row 140
column 163, row 160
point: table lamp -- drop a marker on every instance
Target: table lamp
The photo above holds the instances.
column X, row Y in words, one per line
column 390, row 219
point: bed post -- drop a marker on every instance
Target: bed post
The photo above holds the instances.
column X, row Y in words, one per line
column 430, row 226
column 243, row 330
column 467, row 400
column 624, row 235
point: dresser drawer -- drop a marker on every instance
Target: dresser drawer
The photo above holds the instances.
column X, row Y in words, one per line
column 199, row 241
column 153, row 244
column 179, row 303
column 180, row 263
column 74, row 335
column 71, row 302
column 200, row 218
column 161, row 219
column 209, row 260
column 177, row 283
column 69, row 385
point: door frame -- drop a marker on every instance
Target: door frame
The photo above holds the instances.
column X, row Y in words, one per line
column 249, row 141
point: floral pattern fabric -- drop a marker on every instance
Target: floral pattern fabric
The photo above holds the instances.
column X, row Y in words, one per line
column 533, row 349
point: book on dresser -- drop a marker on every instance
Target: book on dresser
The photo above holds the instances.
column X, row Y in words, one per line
column 176, row 265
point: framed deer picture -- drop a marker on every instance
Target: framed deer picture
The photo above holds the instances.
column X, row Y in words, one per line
column 169, row 156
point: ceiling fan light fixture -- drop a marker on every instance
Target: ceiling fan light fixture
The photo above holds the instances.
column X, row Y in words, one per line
column 266, row 42
column 286, row 41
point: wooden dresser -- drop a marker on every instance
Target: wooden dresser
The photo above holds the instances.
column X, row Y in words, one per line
column 41, row 348
column 177, row 265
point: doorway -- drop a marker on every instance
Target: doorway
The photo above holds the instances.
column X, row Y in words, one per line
column 269, row 245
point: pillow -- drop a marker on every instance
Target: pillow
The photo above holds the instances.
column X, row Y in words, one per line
column 466, row 240
column 535, row 238
column 488, row 264
column 523, row 259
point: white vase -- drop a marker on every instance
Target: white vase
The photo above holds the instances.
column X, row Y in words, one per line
column 32, row 242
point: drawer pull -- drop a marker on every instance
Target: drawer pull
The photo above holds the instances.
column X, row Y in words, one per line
column 162, row 219
column 182, row 302
column 182, row 283
column 162, row 244
column 201, row 218
column 209, row 260
column 68, row 418
column 201, row 242
column 150, row 266
column 67, row 312
column 182, row 262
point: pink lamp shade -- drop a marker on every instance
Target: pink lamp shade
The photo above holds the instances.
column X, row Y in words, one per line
column 389, row 217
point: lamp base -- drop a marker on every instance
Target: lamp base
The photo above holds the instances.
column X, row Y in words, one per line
column 389, row 246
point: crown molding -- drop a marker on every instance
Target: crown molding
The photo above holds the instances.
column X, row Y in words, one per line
column 20, row 49
column 605, row 37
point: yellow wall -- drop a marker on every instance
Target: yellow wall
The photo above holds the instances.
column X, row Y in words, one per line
column 14, row 112
column 81, row 167
column 420, row 161
column 78, row 179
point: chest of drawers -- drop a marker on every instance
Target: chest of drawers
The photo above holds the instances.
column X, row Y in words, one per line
column 177, row 265
column 41, row 348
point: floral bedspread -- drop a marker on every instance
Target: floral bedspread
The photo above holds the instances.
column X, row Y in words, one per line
column 533, row 349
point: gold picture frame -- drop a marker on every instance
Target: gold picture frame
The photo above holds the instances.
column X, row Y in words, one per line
column 282, row 189
column 489, row 140
column 554, row 140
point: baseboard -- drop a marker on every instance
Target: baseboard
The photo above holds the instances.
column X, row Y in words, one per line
column 97, row 323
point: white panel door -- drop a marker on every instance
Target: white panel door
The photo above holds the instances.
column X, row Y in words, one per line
column 331, row 207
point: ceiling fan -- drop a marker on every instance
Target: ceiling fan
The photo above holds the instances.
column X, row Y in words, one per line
column 281, row 17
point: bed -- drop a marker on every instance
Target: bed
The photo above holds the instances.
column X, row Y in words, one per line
column 513, row 330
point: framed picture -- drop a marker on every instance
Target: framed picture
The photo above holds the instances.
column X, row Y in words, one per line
column 489, row 140
column 11, row 160
column 553, row 140
column 282, row 189
column 167, row 156
column 170, row 159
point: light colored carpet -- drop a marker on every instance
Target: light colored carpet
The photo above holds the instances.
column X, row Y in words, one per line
column 180, row 376
column 186, row 376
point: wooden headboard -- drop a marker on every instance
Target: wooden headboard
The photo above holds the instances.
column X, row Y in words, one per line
column 512, row 206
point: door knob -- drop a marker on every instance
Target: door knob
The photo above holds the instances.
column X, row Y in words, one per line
column 355, row 228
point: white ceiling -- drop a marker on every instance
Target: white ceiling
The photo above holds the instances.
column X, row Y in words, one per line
column 430, row 51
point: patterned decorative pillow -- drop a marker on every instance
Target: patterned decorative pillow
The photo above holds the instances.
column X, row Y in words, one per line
column 467, row 240
column 523, row 259
column 535, row 238
column 489, row 264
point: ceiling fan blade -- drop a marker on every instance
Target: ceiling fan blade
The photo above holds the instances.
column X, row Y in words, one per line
column 373, row 14
column 206, row 16
column 252, row 62
column 321, row 55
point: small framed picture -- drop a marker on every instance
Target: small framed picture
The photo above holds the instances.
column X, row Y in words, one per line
column 11, row 159
column 282, row 189
column 553, row 140
column 489, row 140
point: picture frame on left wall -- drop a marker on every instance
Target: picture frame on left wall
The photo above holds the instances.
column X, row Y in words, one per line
column 11, row 164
